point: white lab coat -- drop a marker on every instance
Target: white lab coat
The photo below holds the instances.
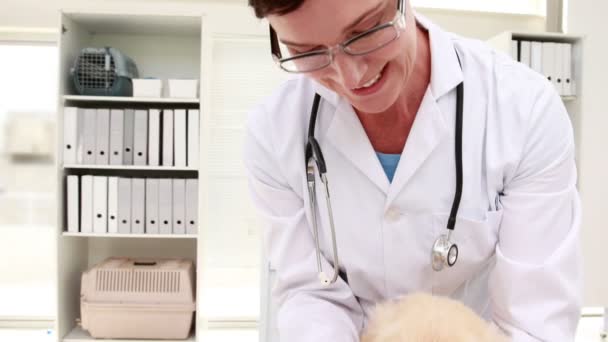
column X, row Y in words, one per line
column 518, row 223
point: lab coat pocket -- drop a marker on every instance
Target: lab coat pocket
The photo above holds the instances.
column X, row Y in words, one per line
column 476, row 240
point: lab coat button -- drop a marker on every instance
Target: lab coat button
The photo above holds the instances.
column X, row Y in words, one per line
column 392, row 214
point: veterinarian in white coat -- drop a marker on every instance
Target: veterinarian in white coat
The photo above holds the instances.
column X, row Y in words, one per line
column 517, row 226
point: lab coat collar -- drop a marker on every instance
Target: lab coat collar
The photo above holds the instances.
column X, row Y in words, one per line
column 427, row 132
column 348, row 137
column 446, row 72
column 326, row 94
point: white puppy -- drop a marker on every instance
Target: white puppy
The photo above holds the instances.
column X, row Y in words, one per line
column 423, row 317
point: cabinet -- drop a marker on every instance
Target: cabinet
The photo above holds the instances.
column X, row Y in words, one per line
column 163, row 46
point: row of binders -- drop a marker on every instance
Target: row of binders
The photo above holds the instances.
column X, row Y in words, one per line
column 117, row 205
column 147, row 137
column 551, row 59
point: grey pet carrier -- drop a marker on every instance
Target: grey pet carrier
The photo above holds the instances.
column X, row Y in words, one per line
column 104, row 72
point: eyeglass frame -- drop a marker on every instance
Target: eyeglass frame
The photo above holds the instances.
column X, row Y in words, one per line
column 343, row 46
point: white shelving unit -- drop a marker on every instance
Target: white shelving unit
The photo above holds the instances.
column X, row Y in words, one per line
column 125, row 99
column 79, row 335
column 128, row 167
column 502, row 42
column 163, row 46
column 132, row 236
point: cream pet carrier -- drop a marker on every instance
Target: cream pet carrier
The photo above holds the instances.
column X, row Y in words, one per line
column 138, row 298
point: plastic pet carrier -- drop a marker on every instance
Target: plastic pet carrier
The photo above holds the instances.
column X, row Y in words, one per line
column 125, row 298
column 104, row 72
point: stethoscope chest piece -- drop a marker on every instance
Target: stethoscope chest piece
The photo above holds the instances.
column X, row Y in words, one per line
column 444, row 253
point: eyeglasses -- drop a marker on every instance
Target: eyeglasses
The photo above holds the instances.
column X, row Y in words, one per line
column 359, row 45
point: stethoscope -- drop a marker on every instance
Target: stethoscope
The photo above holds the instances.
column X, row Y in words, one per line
column 444, row 252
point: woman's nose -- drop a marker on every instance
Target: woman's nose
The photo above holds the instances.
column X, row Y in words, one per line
column 350, row 69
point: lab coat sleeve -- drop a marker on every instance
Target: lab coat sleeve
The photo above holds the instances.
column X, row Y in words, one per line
column 536, row 285
column 308, row 311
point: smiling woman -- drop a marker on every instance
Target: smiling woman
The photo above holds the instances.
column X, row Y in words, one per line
column 378, row 238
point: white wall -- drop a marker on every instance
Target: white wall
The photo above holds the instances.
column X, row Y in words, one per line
column 30, row 13
column 483, row 25
column 588, row 18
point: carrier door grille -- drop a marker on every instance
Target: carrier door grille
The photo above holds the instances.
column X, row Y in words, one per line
column 96, row 70
column 138, row 281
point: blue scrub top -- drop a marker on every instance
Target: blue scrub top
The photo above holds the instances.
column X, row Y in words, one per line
column 389, row 163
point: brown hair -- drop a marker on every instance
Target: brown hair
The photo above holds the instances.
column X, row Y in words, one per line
column 263, row 8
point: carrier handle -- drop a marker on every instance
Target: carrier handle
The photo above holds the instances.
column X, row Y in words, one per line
column 144, row 263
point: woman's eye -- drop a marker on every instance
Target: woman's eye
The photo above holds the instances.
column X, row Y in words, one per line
column 357, row 32
column 294, row 51
column 298, row 51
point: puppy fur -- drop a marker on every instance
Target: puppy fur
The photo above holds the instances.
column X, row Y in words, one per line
column 422, row 317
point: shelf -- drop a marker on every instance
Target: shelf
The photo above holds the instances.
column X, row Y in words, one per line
column 593, row 311
column 79, row 335
column 545, row 36
column 127, row 99
column 132, row 236
column 128, row 167
column 569, row 98
column 119, row 22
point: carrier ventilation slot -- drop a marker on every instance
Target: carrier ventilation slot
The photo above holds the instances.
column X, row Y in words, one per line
column 138, row 281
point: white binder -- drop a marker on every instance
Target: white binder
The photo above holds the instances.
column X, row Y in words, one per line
column 88, row 136
column 515, row 49
column 113, row 205
column 153, row 137
column 549, row 62
column 138, row 205
column 100, row 204
column 559, row 68
column 179, row 206
column 140, row 138
column 117, row 121
column 179, row 137
column 102, row 137
column 86, row 204
column 72, row 127
column 567, row 69
column 124, row 205
column 193, row 137
column 152, row 206
column 525, row 52
column 165, row 203
column 536, row 57
column 72, row 204
column 129, row 129
column 167, row 137
column 192, row 206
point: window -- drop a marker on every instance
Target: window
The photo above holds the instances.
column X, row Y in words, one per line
column 27, row 185
column 529, row 7
column 234, row 239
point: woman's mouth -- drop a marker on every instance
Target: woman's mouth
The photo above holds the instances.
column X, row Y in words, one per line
column 372, row 85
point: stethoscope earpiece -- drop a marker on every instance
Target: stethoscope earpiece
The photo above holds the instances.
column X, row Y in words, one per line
column 325, row 281
column 314, row 157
